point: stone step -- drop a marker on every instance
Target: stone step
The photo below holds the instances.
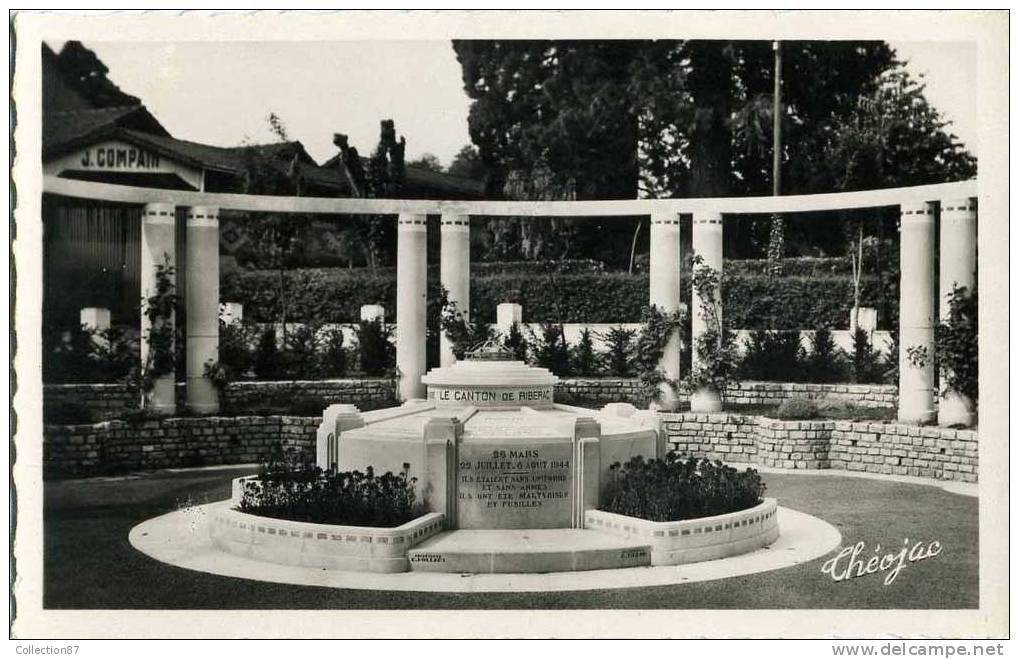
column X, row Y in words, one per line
column 488, row 551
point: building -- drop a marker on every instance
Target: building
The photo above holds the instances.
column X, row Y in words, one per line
column 93, row 131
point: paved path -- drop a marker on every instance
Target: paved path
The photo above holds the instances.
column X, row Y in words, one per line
column 90, row 564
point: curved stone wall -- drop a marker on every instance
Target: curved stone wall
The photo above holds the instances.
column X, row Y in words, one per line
column 693, row 540
column 329, row 546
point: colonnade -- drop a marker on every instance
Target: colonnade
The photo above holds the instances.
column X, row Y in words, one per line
column 918, row 309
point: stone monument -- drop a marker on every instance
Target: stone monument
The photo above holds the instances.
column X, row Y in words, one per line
column 490, row 447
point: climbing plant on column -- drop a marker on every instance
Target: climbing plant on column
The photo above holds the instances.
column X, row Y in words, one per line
column 717, row 359
column 657, row 327
column 158, row 310
column 955, row 343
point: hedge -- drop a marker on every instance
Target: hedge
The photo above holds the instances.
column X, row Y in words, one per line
column 750, row 301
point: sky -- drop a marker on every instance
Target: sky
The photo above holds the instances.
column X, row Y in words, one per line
column 222, row 92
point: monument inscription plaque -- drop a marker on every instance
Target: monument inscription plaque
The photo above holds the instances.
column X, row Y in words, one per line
column 517, row 486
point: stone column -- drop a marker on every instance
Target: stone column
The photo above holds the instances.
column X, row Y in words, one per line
column 916, row 312
column 707, row 243
column 157, row 243
column 202, row 300
column 411, row 293
column 957, row 268
column 455, row 272
column 665, row 263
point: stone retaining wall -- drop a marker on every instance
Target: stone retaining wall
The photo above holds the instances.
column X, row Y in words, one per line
column 112, row 401
column 118, row 446
column 874, row 447
column 892, row 448
column 627, row 390
column 776, row 393
column 600, row 390
column 883, row 448
column 247, row 395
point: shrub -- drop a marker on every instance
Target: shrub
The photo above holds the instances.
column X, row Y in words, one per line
column 235, row 340
column 676, row 489
column 267, row 361
column 774, row 355
column 301, row 357
column 288, row 488
column 619, row 352
column 866, row 362
column 751, row 299
column 66, row 413
column 376, row 353
column 797, row 408
column 81, row 354
column 334, row 355
column 463, row 334
column 825, row 362
column 550, row 349
column 516, row 343
column 585, row 361
column 956, row 340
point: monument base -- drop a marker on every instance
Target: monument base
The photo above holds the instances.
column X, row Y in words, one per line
column 505, row 551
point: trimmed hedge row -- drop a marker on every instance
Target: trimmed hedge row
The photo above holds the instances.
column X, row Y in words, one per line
column 750, row 301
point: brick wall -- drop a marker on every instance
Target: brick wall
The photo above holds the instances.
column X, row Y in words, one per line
column 107, row 401
column 881, row 448
column 118, row 446
column 113, row 401
column 775, row 393
column 891, row 448
column 600, row 390
column 246, row 395
column 627, row 390
column 884, row 448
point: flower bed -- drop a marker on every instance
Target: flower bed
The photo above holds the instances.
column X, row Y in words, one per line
column 675, row 489
column 290, row 487
column 328, row 546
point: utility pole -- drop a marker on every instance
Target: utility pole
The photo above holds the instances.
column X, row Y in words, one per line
column 776, row 240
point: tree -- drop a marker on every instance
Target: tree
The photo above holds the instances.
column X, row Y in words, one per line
column 467, row 163
column 384, row 177
column 692, row 118
column 87, row 73
column 892, row 137
column 276, row 236
column 555, row 119
column 428, row 161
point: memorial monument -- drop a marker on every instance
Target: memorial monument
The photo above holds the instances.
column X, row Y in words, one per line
column 489, row 446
